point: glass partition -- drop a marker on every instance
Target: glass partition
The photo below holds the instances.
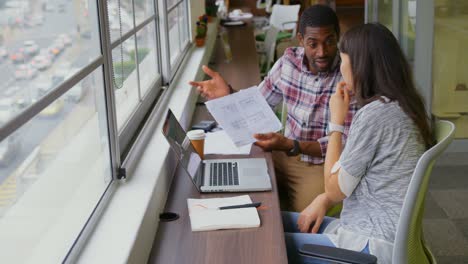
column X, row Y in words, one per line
column 380, row 11
column 450, row 63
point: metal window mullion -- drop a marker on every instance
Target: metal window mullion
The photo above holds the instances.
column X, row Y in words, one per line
column 174, row 6
column 396, row 15
column 404, row 24
column 129, row 132
column 147, row 131
column 136, row 56
column 158, row 38
column 15, row 123
column 375, row 15
column 369, row 9
column 423, row 50
column 80, row 241
column 166, row 52
column 179, row 61
column 179, row 31
column 131, row 157
column 182, row 51
column 108, row 87
column 132, row 32
column 179, row 28
column 187, row 27
column 366, row 11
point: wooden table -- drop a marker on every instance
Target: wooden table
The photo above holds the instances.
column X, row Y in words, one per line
column 242, row 71
column 175, row 242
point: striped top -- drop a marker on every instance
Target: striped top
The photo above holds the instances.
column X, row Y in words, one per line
column 383, row 148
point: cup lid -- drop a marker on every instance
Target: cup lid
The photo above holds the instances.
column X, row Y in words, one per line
column 196, row 134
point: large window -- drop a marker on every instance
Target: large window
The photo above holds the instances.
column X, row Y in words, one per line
column 78, row 78
column 398, row 16
column 135, row 74
column 450, row 64
column 177, row 33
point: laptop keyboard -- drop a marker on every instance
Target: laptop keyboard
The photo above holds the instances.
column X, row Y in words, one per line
column 224, row 174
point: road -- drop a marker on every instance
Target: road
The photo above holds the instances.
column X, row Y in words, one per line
column 77, row 55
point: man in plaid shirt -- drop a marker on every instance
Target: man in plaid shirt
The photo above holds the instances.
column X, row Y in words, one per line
column 304, row 79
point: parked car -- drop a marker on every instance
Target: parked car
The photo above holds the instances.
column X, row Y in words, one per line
column 66, row 40
column 30, row 47
column 41, row 62
column 53, row 50
column 3, row 53
column 25, row 72
column 35, row 21
column 59, row 44
column 18, row 56
column 46, row 53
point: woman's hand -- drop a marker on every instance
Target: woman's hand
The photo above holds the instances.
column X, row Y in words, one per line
column 214, row 88
column 339, row 104
column 314, row 213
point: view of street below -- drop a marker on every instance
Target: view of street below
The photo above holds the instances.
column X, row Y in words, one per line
column 42, row 43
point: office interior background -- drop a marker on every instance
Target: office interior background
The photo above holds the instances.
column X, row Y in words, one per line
column 84, row 170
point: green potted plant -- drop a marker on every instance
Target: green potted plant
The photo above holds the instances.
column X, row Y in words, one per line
column 201, row 34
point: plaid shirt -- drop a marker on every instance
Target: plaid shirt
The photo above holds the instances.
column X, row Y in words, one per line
column 307, row 98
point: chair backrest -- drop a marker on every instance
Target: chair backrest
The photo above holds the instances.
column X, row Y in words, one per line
column 409, row 244
column 281, row 14
column 264, row 4
column 269, row 46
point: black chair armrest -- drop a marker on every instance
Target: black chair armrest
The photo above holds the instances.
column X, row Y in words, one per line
column 338, row 255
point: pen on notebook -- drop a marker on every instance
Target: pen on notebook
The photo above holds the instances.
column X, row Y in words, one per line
column 240, row 206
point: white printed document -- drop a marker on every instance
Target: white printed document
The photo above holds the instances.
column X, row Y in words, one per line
column 205, row 215
column 219, row 143
column 244, row 114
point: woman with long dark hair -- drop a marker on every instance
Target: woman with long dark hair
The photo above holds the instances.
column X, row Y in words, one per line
column 372, row 173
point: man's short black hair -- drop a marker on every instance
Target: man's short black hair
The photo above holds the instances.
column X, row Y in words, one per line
column 319, row 16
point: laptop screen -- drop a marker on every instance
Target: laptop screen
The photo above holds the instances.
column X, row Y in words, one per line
column 180, row 143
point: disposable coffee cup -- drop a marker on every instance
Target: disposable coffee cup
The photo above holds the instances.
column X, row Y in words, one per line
column 197, row 137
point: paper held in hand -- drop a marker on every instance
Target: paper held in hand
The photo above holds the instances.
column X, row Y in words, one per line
column 205, row 215
column 244, row 114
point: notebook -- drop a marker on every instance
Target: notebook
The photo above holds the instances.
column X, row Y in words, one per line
column 205, row 216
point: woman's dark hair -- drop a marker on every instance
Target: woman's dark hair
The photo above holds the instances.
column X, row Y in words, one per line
column 379, row 68
column 319, row 16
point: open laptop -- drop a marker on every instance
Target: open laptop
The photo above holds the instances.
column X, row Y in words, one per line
column 216, row 175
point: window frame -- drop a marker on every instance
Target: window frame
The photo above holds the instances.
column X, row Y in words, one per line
column 129, row 129
column 169, row 71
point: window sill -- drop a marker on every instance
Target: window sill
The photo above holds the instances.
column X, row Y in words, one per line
column 127, row 228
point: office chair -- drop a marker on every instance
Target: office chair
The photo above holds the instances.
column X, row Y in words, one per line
column 267, row 51
column 283, row 17
column 409, row 244
column 265, row 4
